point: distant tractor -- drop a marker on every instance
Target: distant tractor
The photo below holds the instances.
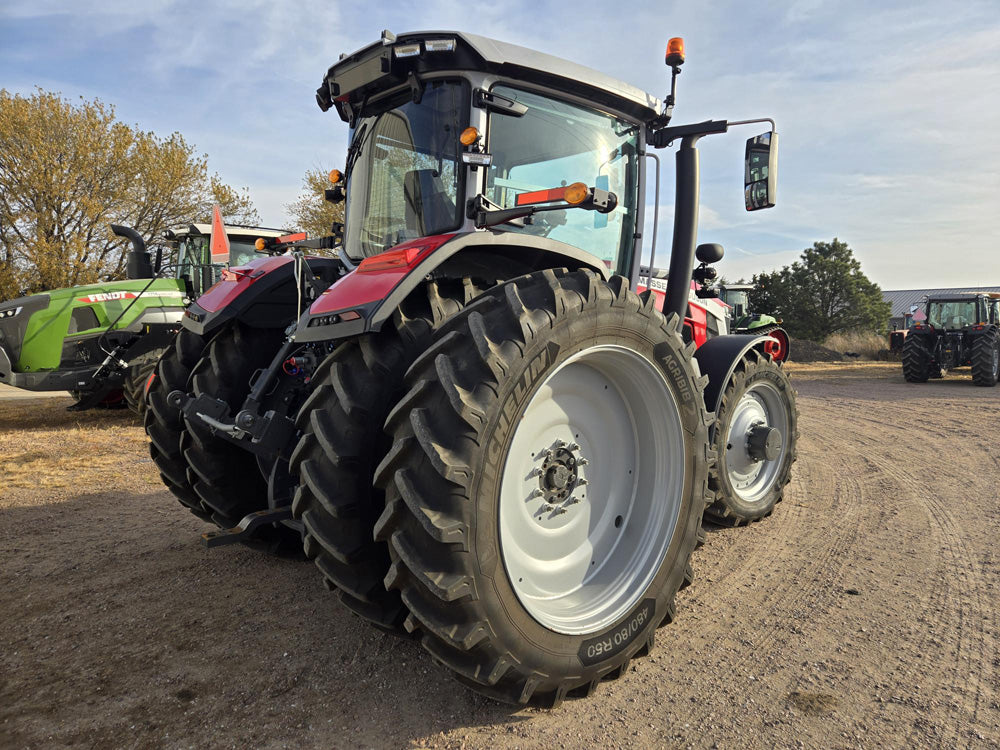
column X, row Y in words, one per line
column 958, row 330
column 101, row 341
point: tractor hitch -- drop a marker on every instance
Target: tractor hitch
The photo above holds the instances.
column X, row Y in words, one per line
column 264, row 435
column 246, row 528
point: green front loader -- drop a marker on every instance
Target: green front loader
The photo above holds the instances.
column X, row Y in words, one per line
column 101, row 341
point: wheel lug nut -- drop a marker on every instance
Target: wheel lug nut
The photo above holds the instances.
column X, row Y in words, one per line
column 583, row 462
column 558, row 511
column 573, row 447
column 583, row 481
column 573, row 501
column 546, row 508
column 536, row 493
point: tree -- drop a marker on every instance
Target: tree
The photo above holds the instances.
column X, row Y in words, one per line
column 824, row 292
column 236, row 205
column 68, row 170
column 312, row 212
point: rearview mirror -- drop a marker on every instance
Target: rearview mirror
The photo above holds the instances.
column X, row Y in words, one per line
column 761, row 171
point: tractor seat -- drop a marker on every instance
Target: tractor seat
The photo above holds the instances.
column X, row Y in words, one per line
column 428, row 207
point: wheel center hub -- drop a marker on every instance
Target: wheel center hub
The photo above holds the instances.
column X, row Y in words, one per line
column 558, row 477
column 764, row 443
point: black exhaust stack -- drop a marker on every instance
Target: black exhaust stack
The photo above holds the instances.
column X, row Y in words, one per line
column 138, row 265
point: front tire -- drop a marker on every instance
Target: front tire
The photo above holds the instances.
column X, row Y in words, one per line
column 551, row 379
column 986, row 358
column 754, row 464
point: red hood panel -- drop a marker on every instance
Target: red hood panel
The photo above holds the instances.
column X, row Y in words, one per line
column 223, row 292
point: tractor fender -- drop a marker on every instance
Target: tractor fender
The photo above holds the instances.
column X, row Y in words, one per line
column 718, row 358
column 363, row 300
column 263, row 294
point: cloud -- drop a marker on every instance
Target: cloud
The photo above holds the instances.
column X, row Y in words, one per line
column 886, row 112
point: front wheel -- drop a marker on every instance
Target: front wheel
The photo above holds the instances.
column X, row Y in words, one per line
column 755, row 435
column 546, row 485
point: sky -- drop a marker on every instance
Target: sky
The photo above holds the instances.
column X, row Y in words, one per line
column 887, row 111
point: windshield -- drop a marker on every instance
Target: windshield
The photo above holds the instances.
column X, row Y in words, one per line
column 403, row 169
column 739, row 301
column 951, row 314
column 555, row 144
column 193, row 255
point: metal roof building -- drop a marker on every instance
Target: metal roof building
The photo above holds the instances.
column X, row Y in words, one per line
column 904, row 299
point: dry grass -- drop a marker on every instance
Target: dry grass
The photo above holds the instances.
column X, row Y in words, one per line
column 864, row 344
column 43, row 446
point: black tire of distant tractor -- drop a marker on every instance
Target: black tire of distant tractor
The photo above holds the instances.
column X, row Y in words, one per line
column 758, row 392
column 134, row 384
column 916, row 360
column 228, row 479
column 114, row 400
column 164, row 424
column 986, row 358
column 343, row 441
column 456, row 484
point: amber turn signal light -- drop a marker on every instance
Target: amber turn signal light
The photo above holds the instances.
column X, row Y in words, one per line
column 469, row 136
column 576, row 193
column 675, row 51
column 260, row 244
column 336, row 176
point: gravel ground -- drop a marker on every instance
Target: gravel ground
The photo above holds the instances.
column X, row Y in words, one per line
column 863, row 613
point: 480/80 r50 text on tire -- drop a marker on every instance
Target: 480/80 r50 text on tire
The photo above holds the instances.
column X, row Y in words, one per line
column 539, row 413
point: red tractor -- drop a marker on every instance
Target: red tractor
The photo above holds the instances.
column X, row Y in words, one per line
column 489, row 436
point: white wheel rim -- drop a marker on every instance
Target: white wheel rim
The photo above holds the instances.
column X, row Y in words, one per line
column 580, row 556
column 751, row 479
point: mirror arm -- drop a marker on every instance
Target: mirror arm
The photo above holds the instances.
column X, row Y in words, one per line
column 482, row 216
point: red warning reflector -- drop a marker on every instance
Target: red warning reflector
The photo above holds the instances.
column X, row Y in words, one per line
column 220, row 240
column 286, row 238
column 541, row 196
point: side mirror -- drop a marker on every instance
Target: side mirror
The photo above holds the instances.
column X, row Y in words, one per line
column 761, row 171
column 709, row 252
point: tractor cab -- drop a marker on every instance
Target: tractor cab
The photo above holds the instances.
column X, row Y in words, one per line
column 737, row 297
column 191, row 252
column 448, row 131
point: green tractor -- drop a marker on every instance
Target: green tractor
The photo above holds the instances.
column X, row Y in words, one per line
column 741, row 319
column 955, row 330
column 101, row 341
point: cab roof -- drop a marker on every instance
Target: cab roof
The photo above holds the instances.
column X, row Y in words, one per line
column 233, row 230
column 375, row 68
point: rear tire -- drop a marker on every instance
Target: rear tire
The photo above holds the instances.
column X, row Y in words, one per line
column 343, row 441
column 164, row 424
column 227, row 478
column 986, row 358
column 134, row 385
column 916, row 360
column 746, row 488
column 458, row 510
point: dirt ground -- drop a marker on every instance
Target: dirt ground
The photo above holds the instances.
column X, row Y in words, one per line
column 863, row 613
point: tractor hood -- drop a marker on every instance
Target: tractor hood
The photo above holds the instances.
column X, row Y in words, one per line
column 14, row 317
column 389, row 62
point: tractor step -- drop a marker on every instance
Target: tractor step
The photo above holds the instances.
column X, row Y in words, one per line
column 246, row 528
